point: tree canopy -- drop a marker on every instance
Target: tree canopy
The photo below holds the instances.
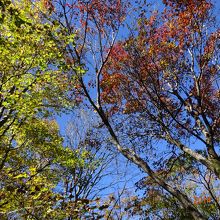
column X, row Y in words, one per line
column 150, row 77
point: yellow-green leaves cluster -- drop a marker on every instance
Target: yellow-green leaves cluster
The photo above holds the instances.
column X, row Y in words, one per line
column 32, row 88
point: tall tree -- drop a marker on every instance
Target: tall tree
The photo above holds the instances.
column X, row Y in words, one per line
column 32, row 89
column 157, row 91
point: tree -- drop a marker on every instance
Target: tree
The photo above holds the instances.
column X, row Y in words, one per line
column 157, row 87
column 82, row 185
column 200, row 185
column 168, row 77
column 32, row 89
column 41, row 176
column 172, row 63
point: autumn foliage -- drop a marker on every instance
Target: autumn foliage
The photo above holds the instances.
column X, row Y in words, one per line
column 150, row 82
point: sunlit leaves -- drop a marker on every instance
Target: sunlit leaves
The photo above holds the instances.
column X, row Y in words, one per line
column 32, row 89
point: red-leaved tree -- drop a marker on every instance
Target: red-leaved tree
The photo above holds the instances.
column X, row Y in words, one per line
column 157, row 90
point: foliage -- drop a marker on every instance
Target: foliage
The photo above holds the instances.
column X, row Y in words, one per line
column 32, row 88
column 156, row 92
